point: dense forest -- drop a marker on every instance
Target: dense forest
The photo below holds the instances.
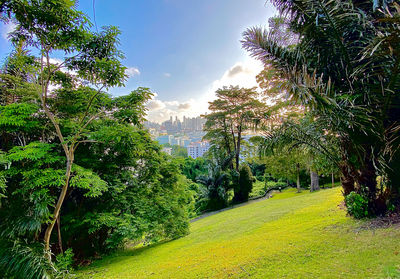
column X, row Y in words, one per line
column 80, row 176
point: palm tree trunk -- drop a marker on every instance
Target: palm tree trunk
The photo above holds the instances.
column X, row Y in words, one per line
column 348, row 180
column 314, row 181
column 298, row 178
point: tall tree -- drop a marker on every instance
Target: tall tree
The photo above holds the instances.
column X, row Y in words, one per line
column 235, row 111
column 93, row 57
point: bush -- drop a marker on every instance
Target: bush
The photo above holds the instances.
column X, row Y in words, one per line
column 357, row 205
column 273, row 184
column 258, row 189
column 64, row 262
column 245, row 185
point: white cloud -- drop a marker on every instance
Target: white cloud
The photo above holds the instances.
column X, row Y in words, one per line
column 238, row 69
column 172, row 103
column 242, row 74
column 167, row 75
column 160, row 111
column 132, row 71
column 7, row 28
column 55, row 61
column 184, row 106
column 154, row 105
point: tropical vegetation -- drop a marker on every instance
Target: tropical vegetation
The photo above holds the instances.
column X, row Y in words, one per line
column 81, row 177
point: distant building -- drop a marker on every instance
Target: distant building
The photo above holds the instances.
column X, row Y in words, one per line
column 165, row 139
column 175, row 141
column 197, row 149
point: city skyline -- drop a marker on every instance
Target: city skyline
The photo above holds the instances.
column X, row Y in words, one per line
column 174, row 118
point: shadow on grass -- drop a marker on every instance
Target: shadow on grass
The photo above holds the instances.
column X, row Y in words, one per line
column 119, row 256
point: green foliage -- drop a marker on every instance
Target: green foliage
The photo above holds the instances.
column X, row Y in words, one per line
column 213, row 195
column 146, row 198
column 258, row 189
column 18, row 116
column 234, row 111
column 275, row 185
column 22, row 261
column 245, row 184
column 193, row 168
column 179, row 151
column 257, row 169
column 86, row 179
column 357, row 205
column 131, row 108
column 64, row 261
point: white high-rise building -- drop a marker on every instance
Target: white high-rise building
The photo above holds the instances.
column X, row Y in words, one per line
column 197, row 149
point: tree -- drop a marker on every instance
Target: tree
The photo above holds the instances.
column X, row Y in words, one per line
column 95, row 59
column 245, row 184
column 179, row 151
column 193, row 168
column 235, row 111
column 344, row 68
column 65, row 142
column 216, row 184
column 143, row 196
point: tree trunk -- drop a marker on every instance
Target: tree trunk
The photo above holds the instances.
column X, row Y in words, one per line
column 227, row 144
column 238, row 148
column 59, row 234
column 333, row 180
column 347, row 180
column 367, row 180
column 57, row 209
column 298, row 178
column 234, row 147
column 314, row 181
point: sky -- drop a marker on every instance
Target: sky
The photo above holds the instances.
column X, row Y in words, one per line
column 183, row 50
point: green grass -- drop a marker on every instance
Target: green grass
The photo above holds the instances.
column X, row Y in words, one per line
column 291, row 235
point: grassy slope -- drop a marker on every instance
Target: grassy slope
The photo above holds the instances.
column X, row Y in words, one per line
column 289, row 236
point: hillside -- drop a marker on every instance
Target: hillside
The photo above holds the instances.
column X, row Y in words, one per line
column 292, row 235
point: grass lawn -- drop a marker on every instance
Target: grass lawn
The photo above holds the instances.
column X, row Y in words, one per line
column 291, row 235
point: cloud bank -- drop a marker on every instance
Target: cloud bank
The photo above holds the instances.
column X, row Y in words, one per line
column 241, row 74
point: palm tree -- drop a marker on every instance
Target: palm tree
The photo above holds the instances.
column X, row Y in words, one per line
column 344, row 68
column 215, row 183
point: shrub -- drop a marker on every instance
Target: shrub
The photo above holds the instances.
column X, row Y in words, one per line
column 244, row 186
column 357, row 205
column 64, row 262
column 273, row 184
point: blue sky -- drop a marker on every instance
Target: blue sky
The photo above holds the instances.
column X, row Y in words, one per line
column 182, row 49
